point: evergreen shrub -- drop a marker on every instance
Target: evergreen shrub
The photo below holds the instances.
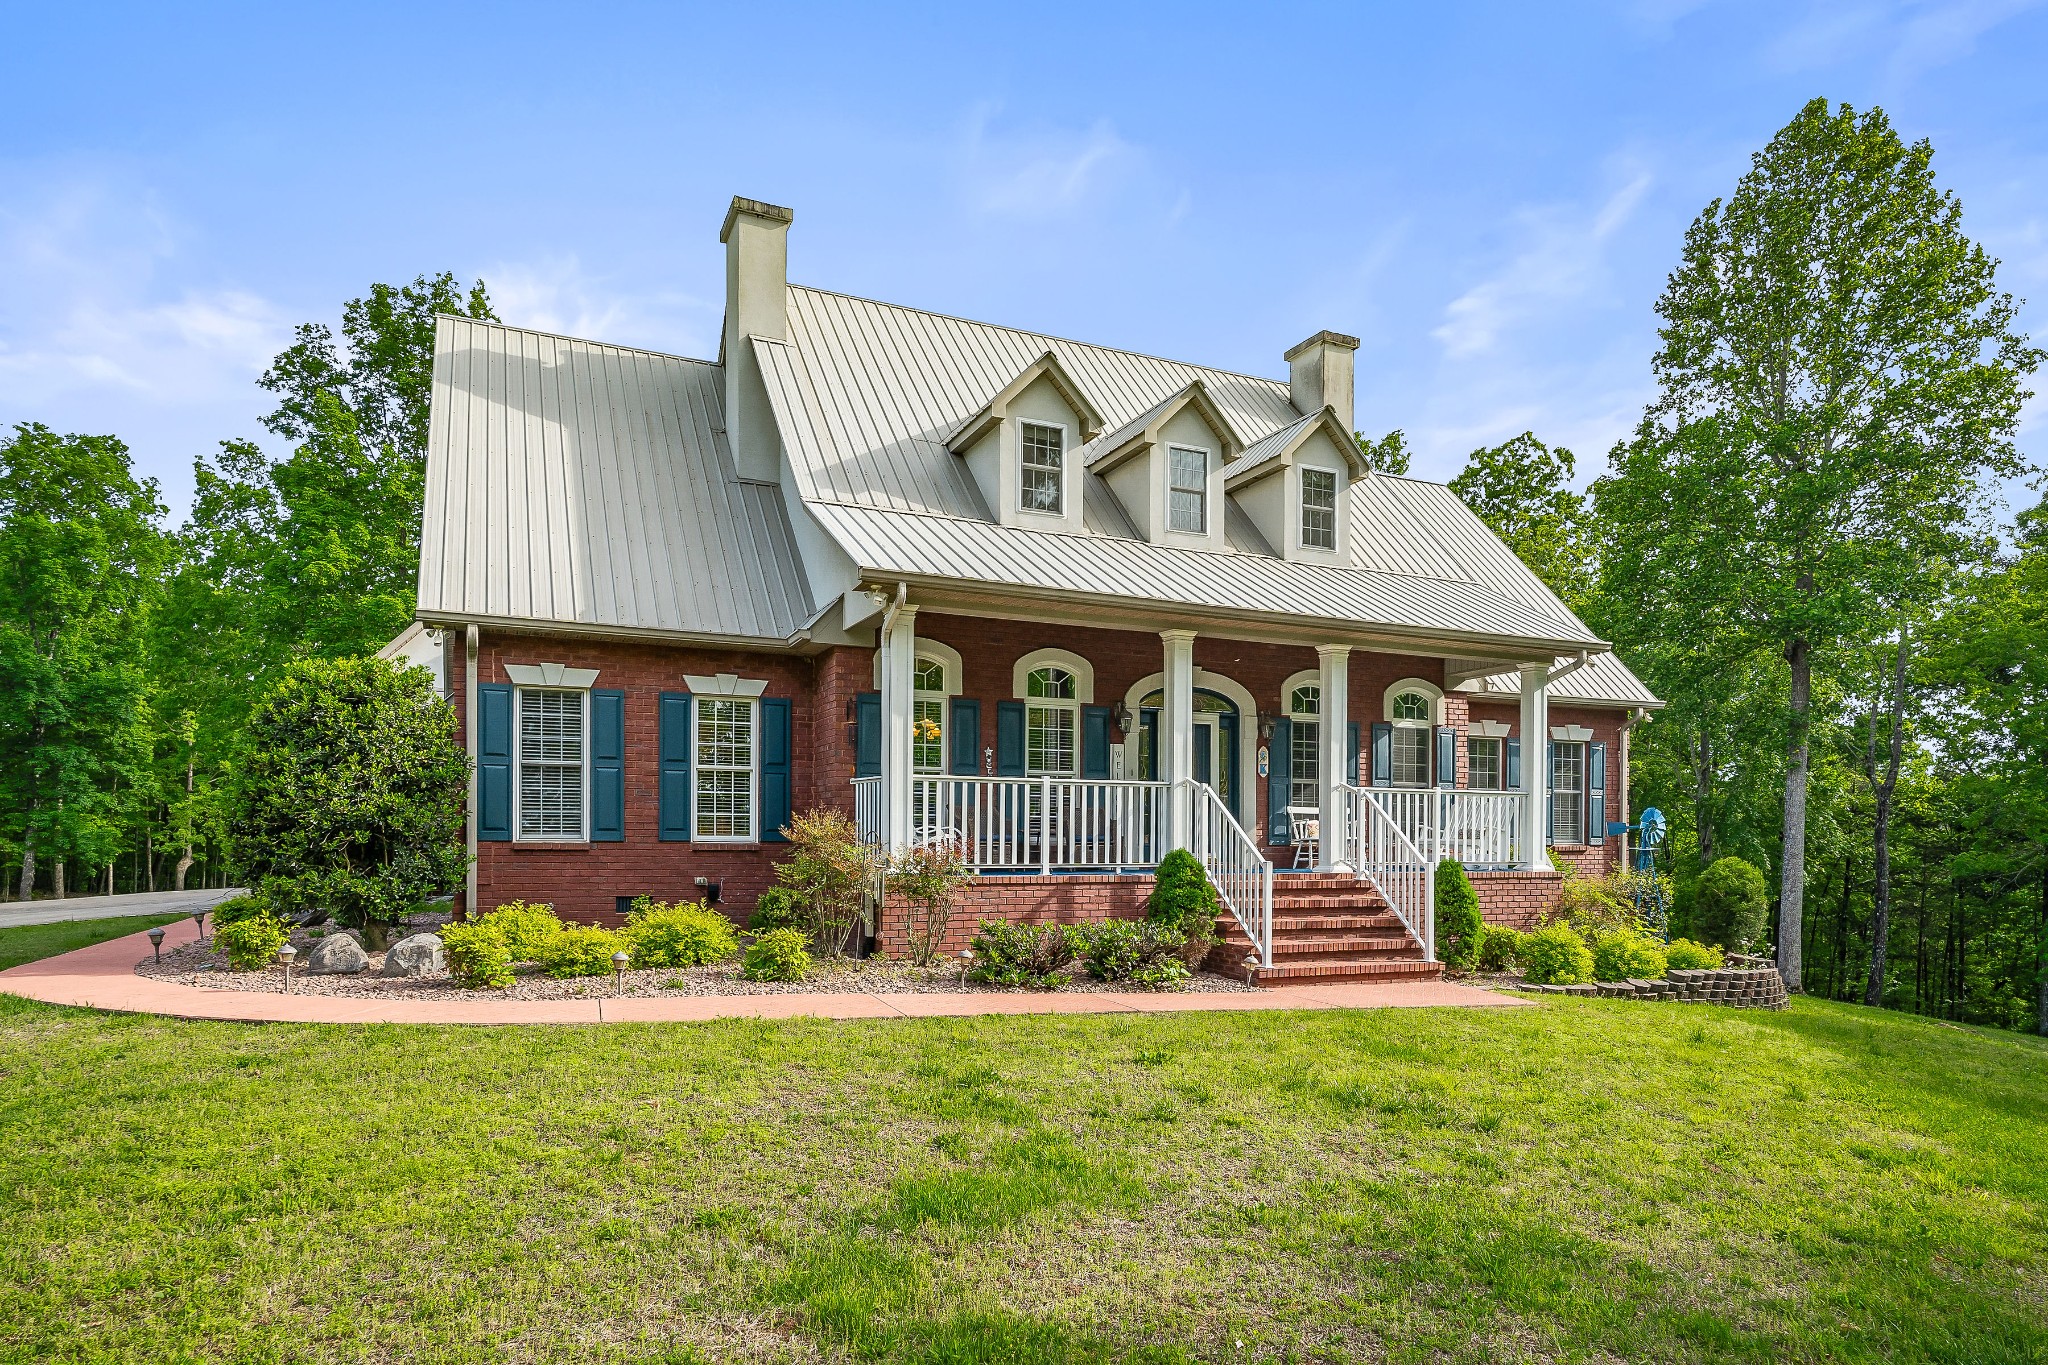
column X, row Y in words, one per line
column 1023, row 954
column 778, row 955
column 1501, row 950
column 1184, row 902
column 1729, row 904
column 1460, row 930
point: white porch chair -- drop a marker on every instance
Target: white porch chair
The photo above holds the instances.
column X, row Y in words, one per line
column 1305, row 826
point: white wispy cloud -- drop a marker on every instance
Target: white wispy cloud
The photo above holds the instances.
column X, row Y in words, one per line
column 559, row 295
column 1906, row 39
column 1557, row 258
column 1039, row 171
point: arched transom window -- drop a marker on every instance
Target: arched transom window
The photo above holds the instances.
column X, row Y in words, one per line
column 1304, row 750
column 1410, row 713
column 1052, row 722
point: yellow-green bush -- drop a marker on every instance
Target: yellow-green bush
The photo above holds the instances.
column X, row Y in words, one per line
column 1624, row 955
column 477, row 955
column 778, row 955
column 1555, row 955
column 525, row 928
column 251, row 944
column 683, row 934
column 585, row 951
column 1682, row 954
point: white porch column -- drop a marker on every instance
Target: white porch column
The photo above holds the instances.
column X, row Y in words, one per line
column 898, row 670
column 1334, row 664
column 1177, row 729
column 1535, row 730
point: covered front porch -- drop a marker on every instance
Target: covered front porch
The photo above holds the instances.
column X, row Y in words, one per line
column 1108, row 753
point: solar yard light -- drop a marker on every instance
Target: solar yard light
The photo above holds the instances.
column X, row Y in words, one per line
column 156, row 942
column 199, row 920
column 287, row 955
column 966, row 961
column 619, row 961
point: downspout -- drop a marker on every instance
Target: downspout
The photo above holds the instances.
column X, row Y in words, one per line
column 1574, row 666
column 469, row 739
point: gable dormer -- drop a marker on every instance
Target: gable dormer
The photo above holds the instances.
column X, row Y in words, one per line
column 1023, row 447
column 1166, row 467
column 1295, row 485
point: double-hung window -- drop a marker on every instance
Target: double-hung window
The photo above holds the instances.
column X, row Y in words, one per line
column 1567, row 793
column 1052, row 723
column 1410, row 714
column 1318, row 509
column 728, row 789
column 928, row 717
column 1044, row 468
column 551, row 763
column 1188, row 494
column 1304, row 750
column 1483, row 762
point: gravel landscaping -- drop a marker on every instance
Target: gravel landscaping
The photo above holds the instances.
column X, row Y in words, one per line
column 196, row 964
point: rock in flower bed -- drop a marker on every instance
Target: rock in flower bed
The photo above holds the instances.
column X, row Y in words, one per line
column 199, row 965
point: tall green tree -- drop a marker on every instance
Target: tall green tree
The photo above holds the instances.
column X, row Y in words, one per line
column 1522, row 488
column 1388, row 455
column 1838, row 371
column 81, row 551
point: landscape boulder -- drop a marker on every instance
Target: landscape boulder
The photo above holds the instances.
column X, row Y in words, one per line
column 419, row 955
column 337, row 955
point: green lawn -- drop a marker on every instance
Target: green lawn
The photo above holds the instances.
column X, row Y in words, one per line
column 1588, row 1180
column 31, row 942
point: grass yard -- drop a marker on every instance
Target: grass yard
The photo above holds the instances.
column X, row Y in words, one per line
column 33, row 942
column 1585, row 1181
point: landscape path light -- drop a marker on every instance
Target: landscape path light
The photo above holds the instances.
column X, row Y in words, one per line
column 199, row 919
column 156, row 942
column 619, row 961
column 966, row 961
column 287, row 955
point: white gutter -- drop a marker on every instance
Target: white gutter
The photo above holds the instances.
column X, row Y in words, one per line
column 469, row 735
column 1574, row 666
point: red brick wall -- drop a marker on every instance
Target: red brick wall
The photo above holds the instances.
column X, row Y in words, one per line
column 1021, row 900
column 1516, row 899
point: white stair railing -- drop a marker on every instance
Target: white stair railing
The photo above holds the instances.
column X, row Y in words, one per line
column 1379, row 847
column 867, row 809
column 1239, row 871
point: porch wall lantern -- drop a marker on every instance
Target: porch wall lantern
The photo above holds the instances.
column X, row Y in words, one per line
column 1266, row 719
column 1120, row 716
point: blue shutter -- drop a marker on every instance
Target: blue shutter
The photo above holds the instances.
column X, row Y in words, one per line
column 966, row 722
column 1596, row 794
column 1446, row 756
column 775, row 747
column 675, row 767
column 1095, row 741
column 1010, row 739
column 1382, row 754
column 607, row 766
column 867, row 734
column 494, row 762
column 1549, row 806
column 1351, row 753
column 1511, row 765
column 1279, row 782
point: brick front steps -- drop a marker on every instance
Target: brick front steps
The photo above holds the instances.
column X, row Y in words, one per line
column 1327, row 927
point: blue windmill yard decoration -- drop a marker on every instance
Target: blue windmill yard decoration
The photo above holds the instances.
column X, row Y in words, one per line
column 1641, row 842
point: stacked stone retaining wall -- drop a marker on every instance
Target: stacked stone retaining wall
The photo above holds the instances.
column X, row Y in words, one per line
column 1755, row 988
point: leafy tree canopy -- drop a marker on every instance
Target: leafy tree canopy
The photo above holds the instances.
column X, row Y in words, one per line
column 1388, row 455
column 1522, row 489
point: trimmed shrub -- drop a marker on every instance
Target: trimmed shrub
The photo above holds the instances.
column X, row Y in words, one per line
column 1460, row 931
column 928, row 877
column 684, row 934
column 1729, row 904
column 239, row 908
column 477, row 955
column 778, row 955
column 526, row 928
column 1555, row 955
column 251, row 944
column 580, row 951
column 1184, row 901
column 778, row 908
column 1620, row 955
column 1592, row 905
column 1682, row 954
column 1022, row 954
column 1501, row 950
column 1143, row 953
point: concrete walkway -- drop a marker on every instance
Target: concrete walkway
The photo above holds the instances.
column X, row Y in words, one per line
column 111, row 907
column 103, row 977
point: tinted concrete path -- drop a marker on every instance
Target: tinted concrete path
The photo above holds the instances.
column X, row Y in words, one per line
column 111, row 907
column 103, row 977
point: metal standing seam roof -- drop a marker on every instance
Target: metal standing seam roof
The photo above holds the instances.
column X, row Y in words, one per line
column 1604, row 679
column 578, row 483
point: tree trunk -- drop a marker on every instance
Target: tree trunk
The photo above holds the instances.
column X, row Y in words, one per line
column 185, row 858
column 1702, row 797
column 1881, row 838
column 28, row 859
column 2041, row 964
column 1792, row 869
column 1838, row 975
column 57, row 879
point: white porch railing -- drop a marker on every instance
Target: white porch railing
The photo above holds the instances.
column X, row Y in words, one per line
column 1016, row 823
column 1239, row 871
column 1377, row 845
column 1481, row 829
column 867, row 808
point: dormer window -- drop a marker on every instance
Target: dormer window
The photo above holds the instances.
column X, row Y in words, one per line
column 1044, row 469
column 1318, row 509
column 1188, row 489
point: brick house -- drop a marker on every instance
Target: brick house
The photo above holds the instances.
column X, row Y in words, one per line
column 1069, row 606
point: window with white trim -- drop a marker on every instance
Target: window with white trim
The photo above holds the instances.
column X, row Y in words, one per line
column 1482, row 759
column 1410, row 713
column 551, row 763
column 727, row 790
column 1304, row 748
column 1043, row 470
column 1052, row 723
column 928, row 717
column 1188, row 492
column 1319, row 509
column 1567, row 792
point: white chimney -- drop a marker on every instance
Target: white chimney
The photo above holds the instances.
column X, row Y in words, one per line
column 1319, row 374
column 756, row 237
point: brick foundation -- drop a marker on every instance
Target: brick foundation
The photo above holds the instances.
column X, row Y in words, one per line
column 1021, row 900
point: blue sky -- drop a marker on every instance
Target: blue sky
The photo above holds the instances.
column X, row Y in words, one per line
column 1490, row 196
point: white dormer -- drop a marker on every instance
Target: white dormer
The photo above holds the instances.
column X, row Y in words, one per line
column 1295, row 485
column 1024, row 447
column 1166, row 468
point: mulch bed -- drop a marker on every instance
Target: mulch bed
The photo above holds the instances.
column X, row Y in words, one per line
column 196, row 964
